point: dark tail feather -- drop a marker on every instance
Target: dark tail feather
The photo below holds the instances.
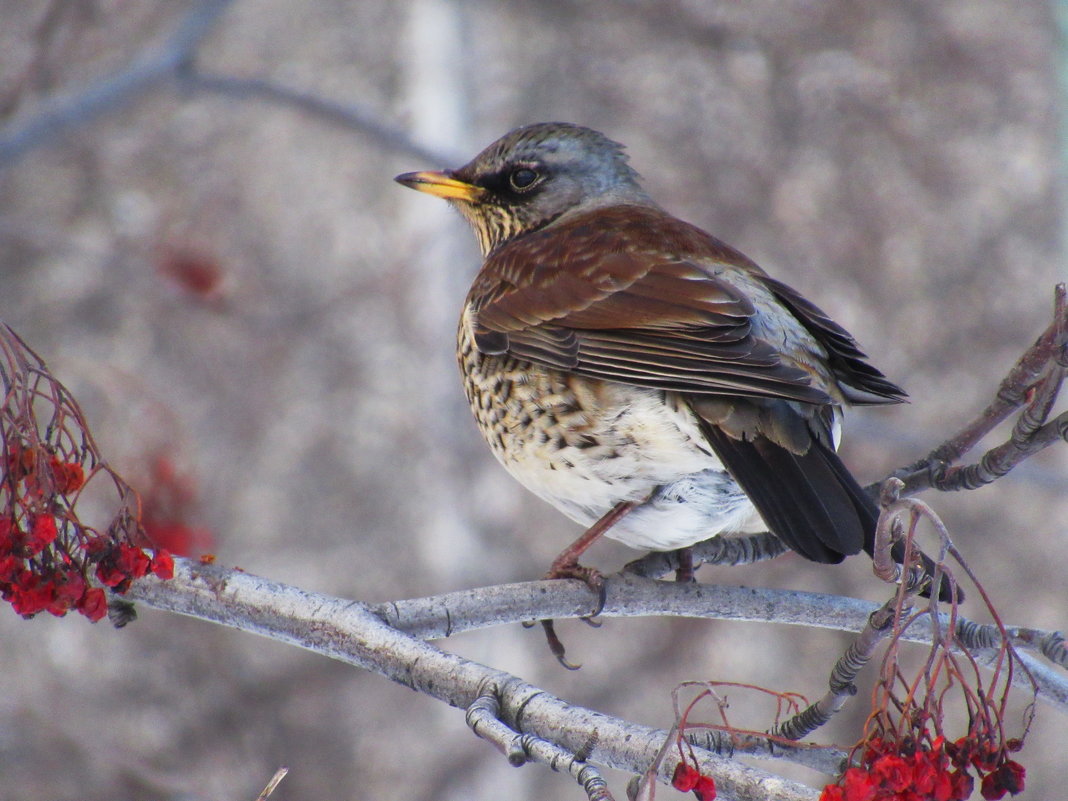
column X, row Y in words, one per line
column 802, row 497
column 810, row 501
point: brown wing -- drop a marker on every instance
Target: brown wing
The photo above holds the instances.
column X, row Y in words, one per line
column 599, row 297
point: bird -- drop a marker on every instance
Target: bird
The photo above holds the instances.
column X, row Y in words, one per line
column 645, row 378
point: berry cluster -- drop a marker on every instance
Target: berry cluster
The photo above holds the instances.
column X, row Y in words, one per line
column 932, row 771
column 51, row 560
column 48, row 558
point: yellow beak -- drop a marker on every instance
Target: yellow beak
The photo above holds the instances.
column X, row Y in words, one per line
column 440, row 184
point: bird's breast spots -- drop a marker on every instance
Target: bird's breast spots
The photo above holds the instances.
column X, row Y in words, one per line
column 567, row 406
column 502, row 390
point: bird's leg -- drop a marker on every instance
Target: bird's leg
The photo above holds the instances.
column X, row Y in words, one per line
column 684, row 572
column 566, row 566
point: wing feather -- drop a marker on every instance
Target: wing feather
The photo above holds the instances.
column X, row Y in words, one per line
column 608, row 300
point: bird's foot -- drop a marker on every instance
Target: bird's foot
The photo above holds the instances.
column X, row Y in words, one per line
column 563, row 568
column 566, row 565
column 569, row 568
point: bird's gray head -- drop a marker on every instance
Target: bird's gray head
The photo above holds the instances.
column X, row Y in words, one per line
column 533, row 176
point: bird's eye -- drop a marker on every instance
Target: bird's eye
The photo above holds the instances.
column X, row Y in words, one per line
column 523, row 178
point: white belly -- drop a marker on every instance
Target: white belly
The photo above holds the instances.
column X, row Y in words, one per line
column 649, row 450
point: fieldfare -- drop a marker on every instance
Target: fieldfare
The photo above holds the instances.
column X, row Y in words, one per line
column 643, row 377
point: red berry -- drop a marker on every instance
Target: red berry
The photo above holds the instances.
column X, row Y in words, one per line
column 685, row 777
column 705, row 789
column 163, row 565
column 94, row 604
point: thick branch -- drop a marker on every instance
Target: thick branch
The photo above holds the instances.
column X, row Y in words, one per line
column 350, row 632
column 631, row 596
column 443, row 615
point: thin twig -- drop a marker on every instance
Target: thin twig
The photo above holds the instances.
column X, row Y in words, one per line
column 731, row 743
column 999, row 460
column 272, row 784
column 348, row 115
column 483, row 718
column 843, row 675
column 1050, row 644
column 1033, row 382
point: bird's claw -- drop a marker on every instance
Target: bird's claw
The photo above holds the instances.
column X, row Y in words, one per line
column 592, row 578
column 556, row 647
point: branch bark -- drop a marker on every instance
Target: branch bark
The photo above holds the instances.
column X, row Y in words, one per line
column 353, row 633
column 387, row 640
column 439, row 616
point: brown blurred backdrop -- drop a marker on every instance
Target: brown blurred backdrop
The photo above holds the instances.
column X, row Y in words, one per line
column 237, row 285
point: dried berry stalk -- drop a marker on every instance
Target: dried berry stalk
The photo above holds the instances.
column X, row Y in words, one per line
column 907, row 751
column 50, row 558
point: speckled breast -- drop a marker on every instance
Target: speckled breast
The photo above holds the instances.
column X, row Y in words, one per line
column 585, row 445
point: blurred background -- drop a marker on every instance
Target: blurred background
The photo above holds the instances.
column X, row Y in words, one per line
column 259, row 324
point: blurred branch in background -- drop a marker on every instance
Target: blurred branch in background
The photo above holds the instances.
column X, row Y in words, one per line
column 350, row 116
column 61, row 115
column 176, row 61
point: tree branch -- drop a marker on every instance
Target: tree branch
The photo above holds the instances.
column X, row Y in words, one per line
column 1033, row 382
column 352, row 633
column 383, row 639
column 840, row 686
column 176, row 61
column 440, row 616
column 483, row 717
column 350, row 116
